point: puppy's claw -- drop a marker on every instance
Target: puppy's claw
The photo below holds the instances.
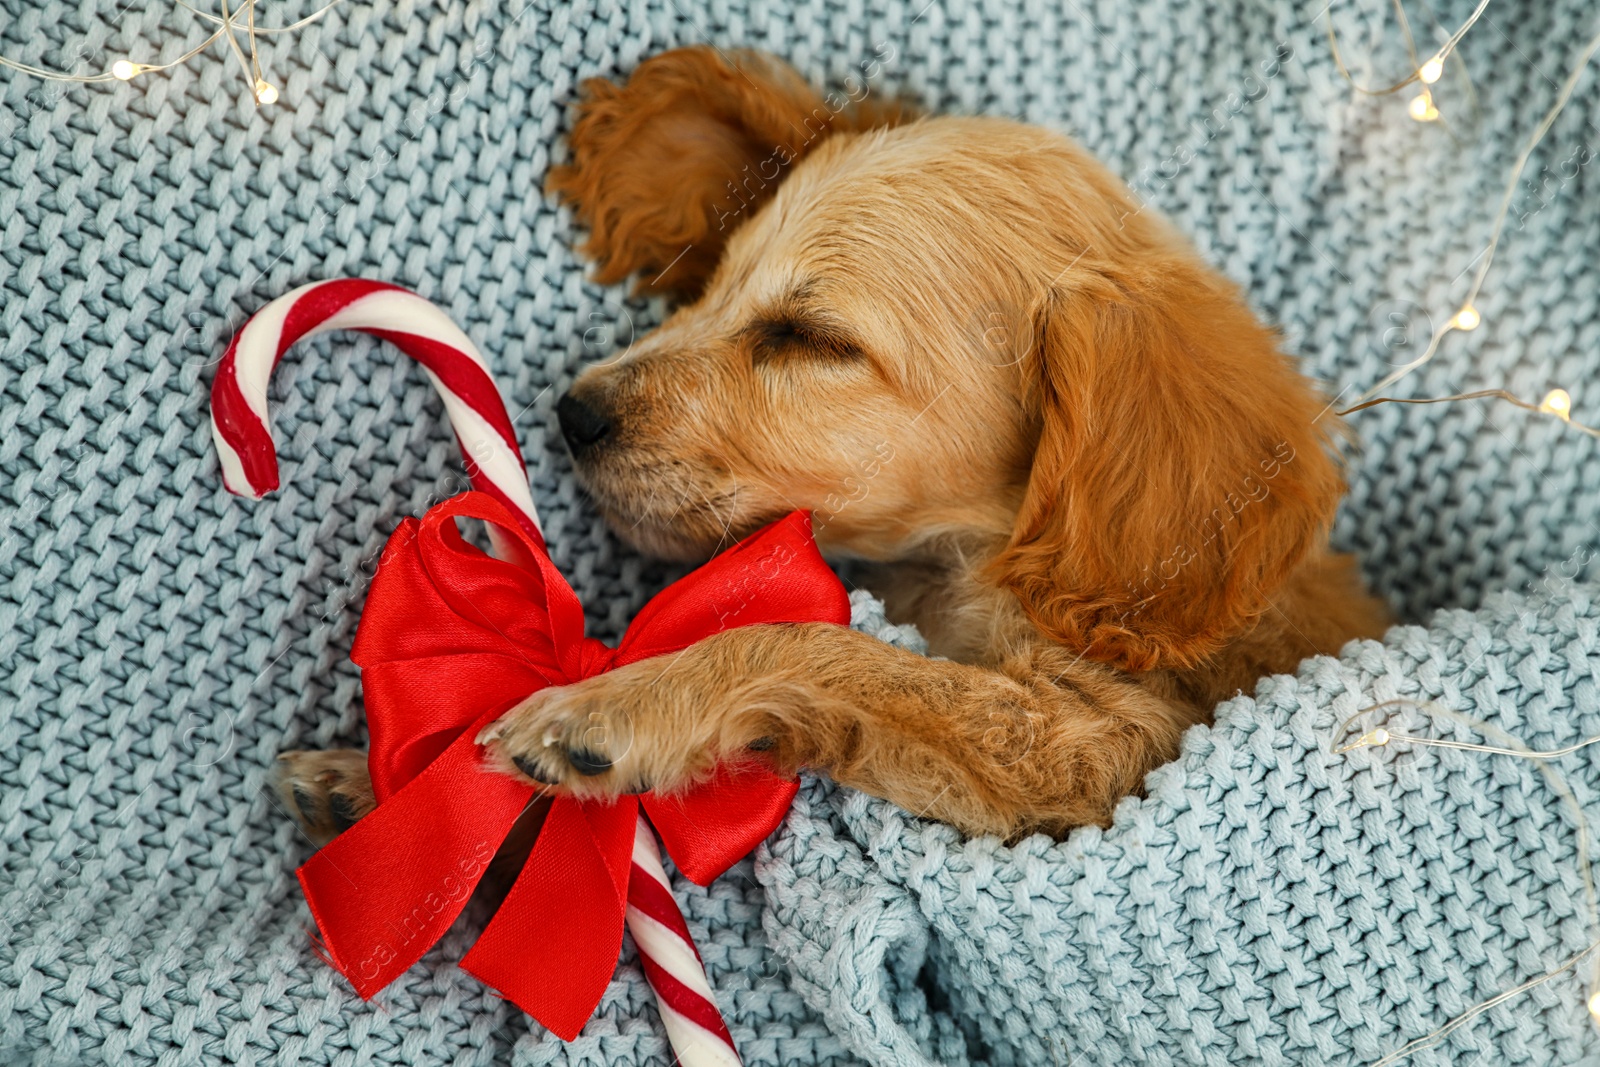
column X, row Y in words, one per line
column 343, row 811
column 533, row 770
column 587, row 762
column 306, row 805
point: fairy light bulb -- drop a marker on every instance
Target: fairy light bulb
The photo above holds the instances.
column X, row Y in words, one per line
column 122, row 69
column 1432, row 70
column 266, row 92
column 1594, row 1007
column 1467, row 318
column 1422, row 108
column 1558, row 402
column 1371, row 739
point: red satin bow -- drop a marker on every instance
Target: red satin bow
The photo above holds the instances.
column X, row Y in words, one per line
column 451, row 639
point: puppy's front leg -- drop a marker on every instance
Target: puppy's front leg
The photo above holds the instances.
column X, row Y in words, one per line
column 1040, row 743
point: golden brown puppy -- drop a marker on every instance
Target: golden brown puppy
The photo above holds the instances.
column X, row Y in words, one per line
column 1059, row 443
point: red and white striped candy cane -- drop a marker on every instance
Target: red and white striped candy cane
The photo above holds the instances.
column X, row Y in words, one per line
column 672, row 963
column 478, row 415
column 413, row 325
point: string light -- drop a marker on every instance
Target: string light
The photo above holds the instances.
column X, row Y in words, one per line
column 1422, row 108
column 1557, row 402
column 1427, row 73
column 1382, row 736
column 228, row 24
column 1467, row 318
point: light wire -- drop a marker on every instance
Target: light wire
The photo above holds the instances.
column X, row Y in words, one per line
column 1382, row 736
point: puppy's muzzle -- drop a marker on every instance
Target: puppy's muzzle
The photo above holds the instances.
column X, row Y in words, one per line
column 585, row 425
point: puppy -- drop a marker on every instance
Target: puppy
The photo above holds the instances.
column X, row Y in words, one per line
column 1016, row 402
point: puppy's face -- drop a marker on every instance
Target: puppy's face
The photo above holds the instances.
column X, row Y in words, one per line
column 859, row 352
column 951, row 333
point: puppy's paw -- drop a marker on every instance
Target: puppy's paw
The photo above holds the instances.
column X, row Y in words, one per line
column 579, row 738
column 642, row 727
column 326, row 792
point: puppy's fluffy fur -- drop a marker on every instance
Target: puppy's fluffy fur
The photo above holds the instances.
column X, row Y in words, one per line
column 1041, row 427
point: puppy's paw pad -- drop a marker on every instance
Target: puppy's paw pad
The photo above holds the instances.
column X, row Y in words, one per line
column 325, row 792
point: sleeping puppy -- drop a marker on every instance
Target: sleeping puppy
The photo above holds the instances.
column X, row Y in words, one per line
column 1032, row 419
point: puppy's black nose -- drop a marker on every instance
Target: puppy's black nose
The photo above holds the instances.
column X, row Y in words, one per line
column 581, row 424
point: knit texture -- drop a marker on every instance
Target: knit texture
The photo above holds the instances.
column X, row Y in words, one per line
column 161, row 641
column 1268, row 903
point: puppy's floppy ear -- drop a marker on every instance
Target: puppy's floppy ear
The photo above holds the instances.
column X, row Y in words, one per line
column 1181, row 471
column 665, row 167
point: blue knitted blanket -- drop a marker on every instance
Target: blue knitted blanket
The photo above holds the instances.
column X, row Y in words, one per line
column 1268, row 903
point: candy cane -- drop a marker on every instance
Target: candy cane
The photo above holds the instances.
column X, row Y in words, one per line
column 478, row 415
column 671, row 962
column 413, row 325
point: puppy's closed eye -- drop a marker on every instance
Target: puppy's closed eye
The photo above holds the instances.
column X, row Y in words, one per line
column 778, row 340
